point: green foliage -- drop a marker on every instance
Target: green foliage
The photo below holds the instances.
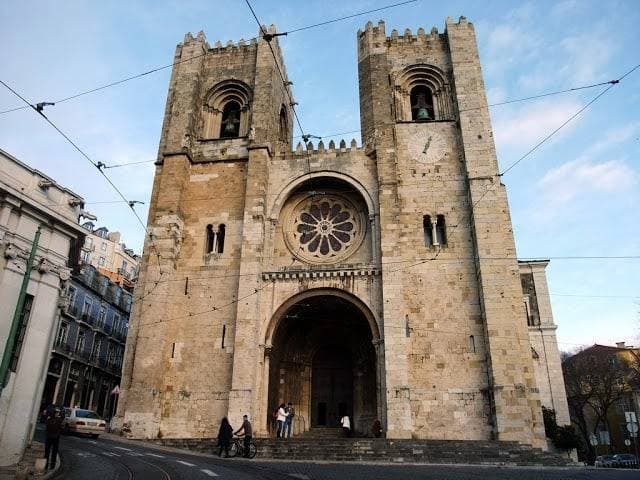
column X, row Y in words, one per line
column 563, row 437
column 550, row 423
column 566, row 438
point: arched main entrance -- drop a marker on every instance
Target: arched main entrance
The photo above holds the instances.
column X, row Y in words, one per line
column 323, row 360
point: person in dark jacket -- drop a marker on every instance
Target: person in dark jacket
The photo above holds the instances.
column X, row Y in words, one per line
column 225, row 434
column 52, row 440
column 247, row 429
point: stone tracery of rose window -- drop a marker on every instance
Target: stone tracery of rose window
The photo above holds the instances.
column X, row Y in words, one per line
column 324, row 229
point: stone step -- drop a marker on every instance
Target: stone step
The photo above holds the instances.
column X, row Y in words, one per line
column 393, row 451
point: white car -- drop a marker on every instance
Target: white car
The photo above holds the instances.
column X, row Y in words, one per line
column 79, row 420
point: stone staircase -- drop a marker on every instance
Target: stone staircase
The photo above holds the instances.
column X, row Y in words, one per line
column 329, row 448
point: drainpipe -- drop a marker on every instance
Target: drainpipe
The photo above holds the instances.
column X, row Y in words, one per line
column 15, row 323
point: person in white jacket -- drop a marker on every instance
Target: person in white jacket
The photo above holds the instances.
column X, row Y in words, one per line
column 282, row 417
column 346, row 426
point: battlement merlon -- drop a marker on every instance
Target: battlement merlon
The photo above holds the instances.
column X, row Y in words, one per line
column 373, row 39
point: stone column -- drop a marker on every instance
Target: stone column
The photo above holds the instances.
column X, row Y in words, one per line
column 243, row 399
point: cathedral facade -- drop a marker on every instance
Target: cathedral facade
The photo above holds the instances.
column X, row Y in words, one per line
column 378, row 281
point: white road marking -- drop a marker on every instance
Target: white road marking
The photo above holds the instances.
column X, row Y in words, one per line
column 93, row 441
column 122, row 448
column 155, row 455
column 135, row 454
column 209, row 472
column 111, row 454
column 186, row 463
column 85, row 454
column 301, row 476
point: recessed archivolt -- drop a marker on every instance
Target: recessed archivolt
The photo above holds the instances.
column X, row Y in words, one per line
column 219, row 96
column 430, row 77
column 282, row 310
column 294, row 184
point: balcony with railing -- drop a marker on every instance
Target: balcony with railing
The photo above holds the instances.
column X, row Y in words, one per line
column 87, row 318
column 72, row 310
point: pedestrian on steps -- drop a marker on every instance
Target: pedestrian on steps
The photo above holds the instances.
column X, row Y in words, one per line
column 282, row 417
column 225, row 434
column 346, row 426
column 288, row 423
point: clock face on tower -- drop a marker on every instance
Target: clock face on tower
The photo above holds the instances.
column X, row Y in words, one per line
column 427, row 147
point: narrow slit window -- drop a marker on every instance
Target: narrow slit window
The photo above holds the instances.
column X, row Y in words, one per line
column 220, row 238
column 427, row 228
column 210, row 239
column 284, row 129
column 441, row 230
column 472, row 344
column 224, row 334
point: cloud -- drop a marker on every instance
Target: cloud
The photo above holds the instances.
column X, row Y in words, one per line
column 588, row 174
column 580, row 177
column 532, row 123
column 588, row 54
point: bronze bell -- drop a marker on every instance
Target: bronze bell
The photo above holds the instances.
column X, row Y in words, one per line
column 422, row 107
column 229, row 127
column 423, row 114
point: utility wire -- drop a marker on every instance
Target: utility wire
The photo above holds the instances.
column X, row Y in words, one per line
column 74, row 145
column 339, row 19
column 113, row 84
column 163, row 67
column 611, row 83
column 286, row 89
column 129, row 163
column 38, row 109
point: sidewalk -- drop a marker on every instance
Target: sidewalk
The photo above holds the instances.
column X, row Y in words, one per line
column 26, row 468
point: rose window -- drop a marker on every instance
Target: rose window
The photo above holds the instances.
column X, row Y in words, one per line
column 324, row 229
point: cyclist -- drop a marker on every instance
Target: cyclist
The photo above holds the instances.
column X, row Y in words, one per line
column 248, row 433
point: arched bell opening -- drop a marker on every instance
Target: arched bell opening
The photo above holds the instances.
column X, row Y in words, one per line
column 323, row 361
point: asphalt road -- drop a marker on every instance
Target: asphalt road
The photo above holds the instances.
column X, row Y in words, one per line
column 87, row 459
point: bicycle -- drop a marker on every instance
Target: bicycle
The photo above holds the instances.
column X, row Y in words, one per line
column 237, row 448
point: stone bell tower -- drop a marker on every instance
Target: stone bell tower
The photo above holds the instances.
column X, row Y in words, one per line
column 228, row 110
column 454, row 334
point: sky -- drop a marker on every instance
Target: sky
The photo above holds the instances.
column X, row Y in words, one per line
column 576, row 195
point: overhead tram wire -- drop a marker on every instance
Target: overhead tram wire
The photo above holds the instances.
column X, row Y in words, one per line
column 339, row 19
column 163, row 67
column 97, row 165
column 268, row 37
column 395, row 262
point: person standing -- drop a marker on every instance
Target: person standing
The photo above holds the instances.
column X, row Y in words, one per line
column 224, row 437
column 290, row 411
column 52, row 440
column 376, row 428
column 282, row 416
column 248, row 433
column 346, row 426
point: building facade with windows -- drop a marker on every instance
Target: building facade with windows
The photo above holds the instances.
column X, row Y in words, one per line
column 30, row 200
column 542, row 336
column 86, row 358
column 105, row 251
column 378, row 281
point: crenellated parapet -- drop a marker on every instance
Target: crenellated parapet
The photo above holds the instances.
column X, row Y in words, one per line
column 322, row 151
column 374, row 38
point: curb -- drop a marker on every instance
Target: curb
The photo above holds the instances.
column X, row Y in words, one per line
column 54, row 472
